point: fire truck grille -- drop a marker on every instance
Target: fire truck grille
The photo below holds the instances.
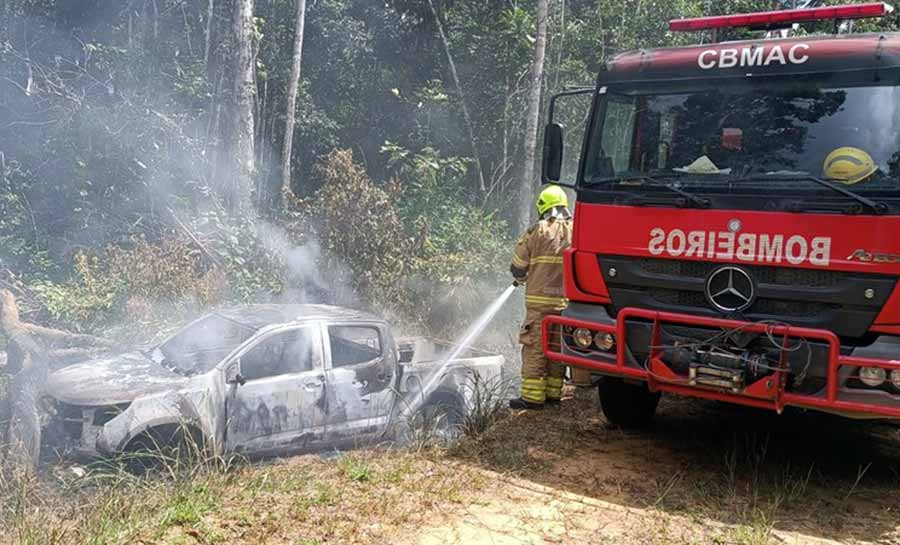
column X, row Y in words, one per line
column 833, row 300
column 765, row 306
column 763, row 275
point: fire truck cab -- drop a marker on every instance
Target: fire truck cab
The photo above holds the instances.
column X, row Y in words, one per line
column 717, row 252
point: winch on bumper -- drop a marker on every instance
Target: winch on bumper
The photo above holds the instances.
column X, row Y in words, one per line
column 765, row 365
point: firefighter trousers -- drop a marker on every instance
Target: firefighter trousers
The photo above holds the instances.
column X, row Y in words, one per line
column 543, row 379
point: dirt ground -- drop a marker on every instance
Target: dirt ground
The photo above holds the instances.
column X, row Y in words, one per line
column 706, row 473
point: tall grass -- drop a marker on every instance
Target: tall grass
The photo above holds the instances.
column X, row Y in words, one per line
column 108, row 502
column 442, row 423
column 487, row 403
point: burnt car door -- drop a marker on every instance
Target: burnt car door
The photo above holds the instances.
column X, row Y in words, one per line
column 361, row 377
column 276, row 395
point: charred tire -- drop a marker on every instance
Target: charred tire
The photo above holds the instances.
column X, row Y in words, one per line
column 164, row 446
column 442, row 415
column 629, row 406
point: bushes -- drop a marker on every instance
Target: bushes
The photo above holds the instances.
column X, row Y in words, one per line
column 131, row 283
column 361, row 228
column 416, row 249
column 81, row 303
column 242, row 251
column 418, row 245
column 19, row 232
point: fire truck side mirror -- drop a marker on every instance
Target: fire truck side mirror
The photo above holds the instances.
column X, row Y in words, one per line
column 551, row 166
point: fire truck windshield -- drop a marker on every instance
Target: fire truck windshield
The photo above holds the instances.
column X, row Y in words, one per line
column 742, row 138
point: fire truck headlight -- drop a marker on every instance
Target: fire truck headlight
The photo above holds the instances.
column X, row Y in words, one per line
column 583, row 337
column 605, row 341
column 895, row 379
column 872, row 376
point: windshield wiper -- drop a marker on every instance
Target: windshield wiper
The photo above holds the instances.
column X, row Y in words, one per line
column 879, row 208
column 657, row 181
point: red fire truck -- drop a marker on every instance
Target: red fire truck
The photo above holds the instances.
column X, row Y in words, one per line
column 715, row 254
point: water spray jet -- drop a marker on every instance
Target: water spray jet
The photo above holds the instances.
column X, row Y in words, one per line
column 472, row 333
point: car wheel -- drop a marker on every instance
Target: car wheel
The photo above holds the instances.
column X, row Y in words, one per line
column 166, row 447
column 440, row 420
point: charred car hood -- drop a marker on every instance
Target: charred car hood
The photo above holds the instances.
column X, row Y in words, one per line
column 114, row 380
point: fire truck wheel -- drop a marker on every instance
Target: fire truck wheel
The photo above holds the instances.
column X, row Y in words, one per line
column 627, row 405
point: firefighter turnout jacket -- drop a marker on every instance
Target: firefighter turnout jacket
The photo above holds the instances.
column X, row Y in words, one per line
column 538, row 263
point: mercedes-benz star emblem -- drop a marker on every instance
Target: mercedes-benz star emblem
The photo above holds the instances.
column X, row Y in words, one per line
column 730, row 289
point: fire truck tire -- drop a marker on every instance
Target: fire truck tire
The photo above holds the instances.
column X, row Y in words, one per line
column 628, row 406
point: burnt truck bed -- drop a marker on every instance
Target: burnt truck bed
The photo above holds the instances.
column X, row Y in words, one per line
column 422, row 358
column 259, row 379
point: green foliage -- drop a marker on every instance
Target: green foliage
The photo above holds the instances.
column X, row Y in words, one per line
column 418, row 245
column 118, row 119
column 20, row 243
column 362, row 228
column 188, row 506
column 355, row 469
column 252, row 269
column 130, row 283
column 84, row 302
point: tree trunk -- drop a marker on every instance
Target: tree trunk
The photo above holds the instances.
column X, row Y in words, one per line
column 11, row 323
column 23, row 438
column 207, row 34
column 462, row 97
column 562, row 42
column 293, row 86
column 187, row 31
column 243, row 151
column 155, row 22
column 27, row 369
column 529, row 178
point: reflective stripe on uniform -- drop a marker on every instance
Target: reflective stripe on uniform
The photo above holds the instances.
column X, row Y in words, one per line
column 519, row 262
column 548, row 260
column 534, row 390
column 554, row 388
column 541, row 300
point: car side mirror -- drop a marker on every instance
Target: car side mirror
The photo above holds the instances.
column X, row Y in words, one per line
column 551, row 166
column 233, row 375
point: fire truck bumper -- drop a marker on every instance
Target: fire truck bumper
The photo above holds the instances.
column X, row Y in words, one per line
column 764, row 365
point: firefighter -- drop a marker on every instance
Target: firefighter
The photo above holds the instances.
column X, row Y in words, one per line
column 538, row 264
column 849, row 165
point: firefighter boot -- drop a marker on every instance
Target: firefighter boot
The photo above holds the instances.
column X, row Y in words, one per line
column 534, row 395
column 523, row 405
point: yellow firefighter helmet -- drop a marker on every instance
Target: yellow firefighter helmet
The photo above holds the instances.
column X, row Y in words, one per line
column 849, row 165
column 550, row 198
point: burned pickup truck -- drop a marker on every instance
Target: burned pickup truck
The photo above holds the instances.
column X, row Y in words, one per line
column 260, row 379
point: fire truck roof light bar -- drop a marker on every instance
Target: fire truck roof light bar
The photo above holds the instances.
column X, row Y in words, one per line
column 771, row 18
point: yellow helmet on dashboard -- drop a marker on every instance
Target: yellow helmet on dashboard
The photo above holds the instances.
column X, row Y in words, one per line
column 848, row 165
column 550, row 198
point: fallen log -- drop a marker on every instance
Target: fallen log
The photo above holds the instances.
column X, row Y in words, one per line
column 29, row 352
column 53, row 338
column 23, row 436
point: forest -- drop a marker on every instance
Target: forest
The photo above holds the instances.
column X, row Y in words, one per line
column 157, row 156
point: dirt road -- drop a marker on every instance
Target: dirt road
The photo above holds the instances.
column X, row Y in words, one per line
column 707, row 473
